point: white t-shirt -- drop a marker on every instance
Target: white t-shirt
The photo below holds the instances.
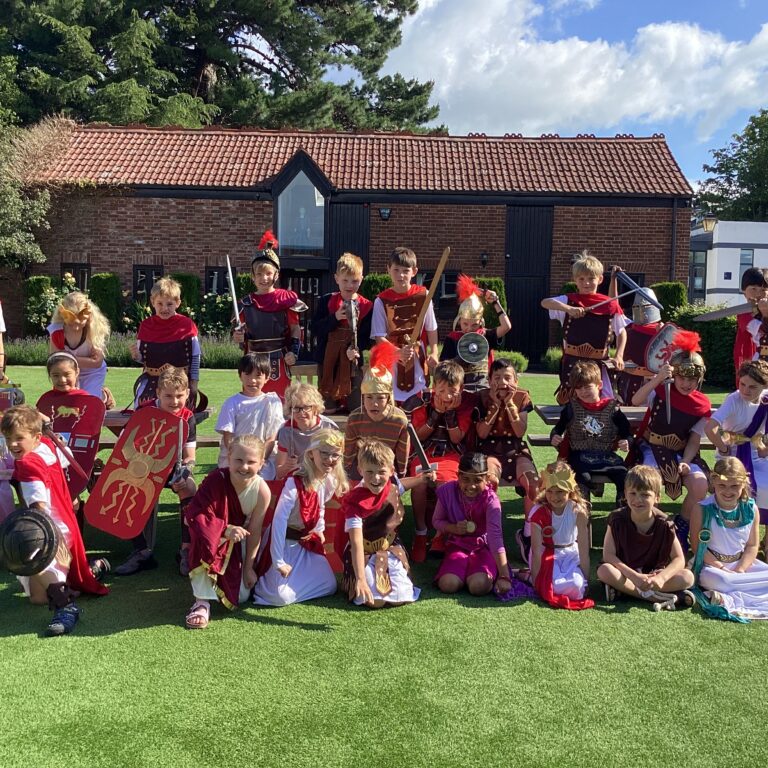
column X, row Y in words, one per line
column 379, row 329
column 753, row 328
column 261, row 416
column 736, row 414
column 2, row 321
column 618, row 321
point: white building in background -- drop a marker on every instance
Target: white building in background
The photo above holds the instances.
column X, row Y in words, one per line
column 720, row 255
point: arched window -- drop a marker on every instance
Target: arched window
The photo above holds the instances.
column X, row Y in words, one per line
column 301, row 218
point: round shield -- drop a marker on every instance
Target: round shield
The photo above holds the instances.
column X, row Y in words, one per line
column 28, row 542
column 472, row 348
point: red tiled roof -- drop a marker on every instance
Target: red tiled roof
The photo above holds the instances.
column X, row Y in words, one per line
column 245, row 158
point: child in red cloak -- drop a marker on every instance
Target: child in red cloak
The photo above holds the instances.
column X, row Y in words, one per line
column 671, row 445
column 470, row 319
column 269, row 320
column 560, row 541
column 43, row 487
column 751, row 328
column 225, row 519
column 167, row 338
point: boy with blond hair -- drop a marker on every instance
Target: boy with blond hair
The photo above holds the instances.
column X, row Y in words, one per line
column 395, row 312
column 166, row 339
column 589, row 319
column 341, row 327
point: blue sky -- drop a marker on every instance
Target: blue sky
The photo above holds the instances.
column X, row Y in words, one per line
column 694, row 71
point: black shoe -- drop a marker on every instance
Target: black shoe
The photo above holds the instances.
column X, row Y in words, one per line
column 140, row 560
column 100, row 568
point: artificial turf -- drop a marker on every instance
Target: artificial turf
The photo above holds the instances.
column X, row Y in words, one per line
column 448, row 681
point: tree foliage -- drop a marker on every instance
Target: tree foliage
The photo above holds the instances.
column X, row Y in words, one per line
column 194, row 62
column 738, row 187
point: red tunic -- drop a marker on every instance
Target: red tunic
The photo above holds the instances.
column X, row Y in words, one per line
column 33, row 468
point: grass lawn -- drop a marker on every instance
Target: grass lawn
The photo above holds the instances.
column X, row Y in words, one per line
column 448, row 681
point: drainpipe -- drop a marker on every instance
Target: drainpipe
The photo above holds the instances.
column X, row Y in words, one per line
column 673, row 260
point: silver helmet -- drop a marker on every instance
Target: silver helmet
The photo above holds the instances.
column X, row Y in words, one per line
column 643, row 312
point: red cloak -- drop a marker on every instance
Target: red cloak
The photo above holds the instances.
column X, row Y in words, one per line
column 156, row 330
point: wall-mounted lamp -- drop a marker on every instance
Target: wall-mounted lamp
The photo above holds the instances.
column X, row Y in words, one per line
column 484, row 259
column 385, row 213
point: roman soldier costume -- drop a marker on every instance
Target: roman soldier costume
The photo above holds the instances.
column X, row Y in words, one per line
column 382, row 515
column 646, row 323
column 587, row 337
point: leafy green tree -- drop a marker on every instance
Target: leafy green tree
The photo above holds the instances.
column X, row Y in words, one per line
column 194, row 62
column 738, row 187
column 22, row 209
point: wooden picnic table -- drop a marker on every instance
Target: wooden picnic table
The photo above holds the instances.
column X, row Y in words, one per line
column 551, row 413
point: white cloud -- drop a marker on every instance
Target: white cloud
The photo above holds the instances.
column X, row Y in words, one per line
column 494, row 74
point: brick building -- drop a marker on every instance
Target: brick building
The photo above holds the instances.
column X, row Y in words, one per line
column 141, row 202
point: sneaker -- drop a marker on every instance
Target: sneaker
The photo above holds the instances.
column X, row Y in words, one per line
column 140, row 560
column 437, row 545
column 610, row 594
column 183, row 559
column 685, row 599
column 64, row 620
column 100, row 568
column 419, row 549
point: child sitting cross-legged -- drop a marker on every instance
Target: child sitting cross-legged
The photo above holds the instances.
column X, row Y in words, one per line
column 731, row 582
column 376, row 568
column 224, row 520
column 642, row 557
column 560, row 540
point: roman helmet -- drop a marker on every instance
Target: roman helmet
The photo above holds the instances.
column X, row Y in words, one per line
column 685, row 358
column 267, row 251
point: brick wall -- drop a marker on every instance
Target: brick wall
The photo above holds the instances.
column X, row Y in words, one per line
column 637, row 239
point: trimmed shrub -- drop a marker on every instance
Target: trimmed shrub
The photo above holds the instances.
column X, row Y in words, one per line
column 30, row 350
column 220, row 352
column 373, row 284
column 551, row 359
column 39, row 302
column 190, row 293
column 105, row 293
column 243, row 284
column 569, row 287
column 671, row 296
column 119, row 350
column 495, row 284
column 518, row 359
column 718, row 338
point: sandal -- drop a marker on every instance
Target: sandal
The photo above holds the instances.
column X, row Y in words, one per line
column 685, row 599
column 198, row 615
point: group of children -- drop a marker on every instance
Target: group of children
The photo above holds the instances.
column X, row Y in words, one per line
column 261, row 525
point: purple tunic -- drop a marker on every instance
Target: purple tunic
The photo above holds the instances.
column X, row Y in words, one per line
column 484, row 511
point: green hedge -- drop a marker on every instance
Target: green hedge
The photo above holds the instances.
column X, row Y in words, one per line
column 40, row 300
column 491, row 318
column 552, row 358
column 518, row 359
column 718, row 338
column 672, row 296
column 105, row 292
column 373, row 284
column 190, row 293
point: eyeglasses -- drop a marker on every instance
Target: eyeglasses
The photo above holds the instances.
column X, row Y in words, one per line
column 303, row 408
column 330, row 456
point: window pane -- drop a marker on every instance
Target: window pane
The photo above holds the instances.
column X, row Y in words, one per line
column 300, row 217
column 747, row 256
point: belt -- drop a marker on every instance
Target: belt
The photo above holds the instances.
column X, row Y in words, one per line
column 376, row 545
column 294, row 534
column 563, row 546
column 721, row 558
column 673, row 442
column 639, row 371
column 157, row 371
column 735, row 438
column 585, row 350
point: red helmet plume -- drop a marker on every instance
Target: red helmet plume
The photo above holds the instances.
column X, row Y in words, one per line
column 268, row 240
column 688, row 341
column 383, row 356
column 466, row 287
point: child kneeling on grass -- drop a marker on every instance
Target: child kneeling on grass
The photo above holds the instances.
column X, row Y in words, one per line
column 225, row 519
column 376, row 567
column 293, row 567
column 642, row 556
column 468, row 514
column 43, row 487
column 560, row 540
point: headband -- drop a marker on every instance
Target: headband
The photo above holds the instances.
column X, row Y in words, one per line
column 564, row 479
column 59, row 356
column 330, row 437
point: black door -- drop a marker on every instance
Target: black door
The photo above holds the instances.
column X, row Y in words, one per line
column 529, row 251
column 348, row 230
column 307, row 283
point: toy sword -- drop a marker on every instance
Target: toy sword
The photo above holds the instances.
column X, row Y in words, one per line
column 232, row 293
column 64, row 448
column 419, row 449
column 716, row 314
column 419, row 324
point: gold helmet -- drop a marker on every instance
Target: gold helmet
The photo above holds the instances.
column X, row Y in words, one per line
column 378, row 377
column 470, row 308
column 686, row 359
column 267, row 251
